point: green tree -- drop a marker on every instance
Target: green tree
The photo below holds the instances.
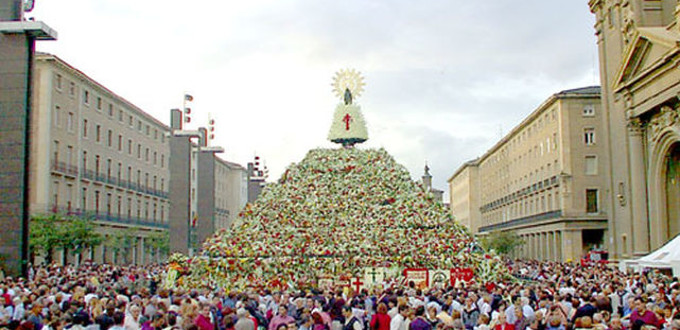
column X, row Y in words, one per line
column 121, row 243
column 503, row 242
column 78, row 235
column 45, row 235
column 158, row 242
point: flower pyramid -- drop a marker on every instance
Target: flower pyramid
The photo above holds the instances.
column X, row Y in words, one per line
column 333, row 214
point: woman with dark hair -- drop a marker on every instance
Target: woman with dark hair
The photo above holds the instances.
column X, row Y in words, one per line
column 419, row 322
column 380, row 320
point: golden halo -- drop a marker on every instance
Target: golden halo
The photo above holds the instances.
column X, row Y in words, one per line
column 348, row 79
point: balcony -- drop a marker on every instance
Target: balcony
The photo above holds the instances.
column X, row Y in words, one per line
column 103, row 217
column 522, row 221
column 88, row 174
column 64, row 169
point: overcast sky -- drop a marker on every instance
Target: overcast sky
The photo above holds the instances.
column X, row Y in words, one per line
column 444, row 79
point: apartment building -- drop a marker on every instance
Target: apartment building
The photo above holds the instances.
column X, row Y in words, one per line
column 95, row 154
column 544, row 180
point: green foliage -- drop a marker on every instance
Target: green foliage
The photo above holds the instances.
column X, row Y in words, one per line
column 158, row 241
column 121, row 242
column 59, row 232
column 503, row 242
column 79, row 235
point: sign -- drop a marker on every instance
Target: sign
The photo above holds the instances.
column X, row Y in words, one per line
column 356, row 284
column 419, row 276
column 374, row 275
column 439, row 278
column 461, row 274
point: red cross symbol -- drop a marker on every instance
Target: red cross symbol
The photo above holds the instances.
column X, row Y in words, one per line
column 347, row 119
column 358, row 283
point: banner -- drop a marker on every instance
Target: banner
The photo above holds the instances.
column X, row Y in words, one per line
column 440, row 278
column 419, row 276
column 374, row 276
column 461, row 274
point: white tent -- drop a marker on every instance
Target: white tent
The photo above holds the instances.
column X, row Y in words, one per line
column 668, row 256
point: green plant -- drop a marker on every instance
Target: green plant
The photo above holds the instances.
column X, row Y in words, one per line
column 502, row 242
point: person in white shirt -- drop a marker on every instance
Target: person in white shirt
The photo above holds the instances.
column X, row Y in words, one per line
column 399, row 321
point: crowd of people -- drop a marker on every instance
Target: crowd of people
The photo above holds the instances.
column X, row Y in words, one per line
column 547, row 296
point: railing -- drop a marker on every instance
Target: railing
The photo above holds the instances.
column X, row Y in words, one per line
column 63, row 168
column 71, row 170
column 103, row 217
column 522, row 221
column 544, row 184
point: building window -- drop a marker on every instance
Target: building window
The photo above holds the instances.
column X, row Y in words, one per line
column 162, row 161
column 591, row 200
column 588, row 110
column 98, row 133
column 589, row 136
column 83, row 200
column 55, row 197
column 591, row 165
column 97, row 163
column 120, row 115
column 139, row 151
column 129, row 207
column 96, row 202
column 84, row 160
column 69, row 122
column 130, row 147
column 69, row 155
column 59, row 82
column 146, row 155
column 120, row 142
column 57, row 116
column 99, row 103
column 108, row 204
column 110, row 110
column 109, row 138
column 56, row 152
column 130, row 120
column 72, row 89
column 85, row 128
column 86, row 97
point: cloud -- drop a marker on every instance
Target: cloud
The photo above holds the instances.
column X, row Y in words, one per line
column 444, row 77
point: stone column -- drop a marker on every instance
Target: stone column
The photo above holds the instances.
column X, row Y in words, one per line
column 638, row 194
column 558, row 246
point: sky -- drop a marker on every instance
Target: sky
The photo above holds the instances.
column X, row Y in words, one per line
column 445, row 79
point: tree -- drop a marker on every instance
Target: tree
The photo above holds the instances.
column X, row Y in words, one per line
column 121, row 242
column 78, row 235
column 72, row 234
column 45, row 235
column 158, row 242
column 503, row 242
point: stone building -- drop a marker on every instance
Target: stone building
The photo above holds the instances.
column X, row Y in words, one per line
column 544, row 180
column 639, row 49
column 464, row 195
column 94, row 154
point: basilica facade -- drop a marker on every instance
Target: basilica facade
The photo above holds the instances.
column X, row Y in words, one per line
column 639, row 53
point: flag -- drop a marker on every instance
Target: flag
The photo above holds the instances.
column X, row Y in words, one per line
column 194, row 221
column 188, row 97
